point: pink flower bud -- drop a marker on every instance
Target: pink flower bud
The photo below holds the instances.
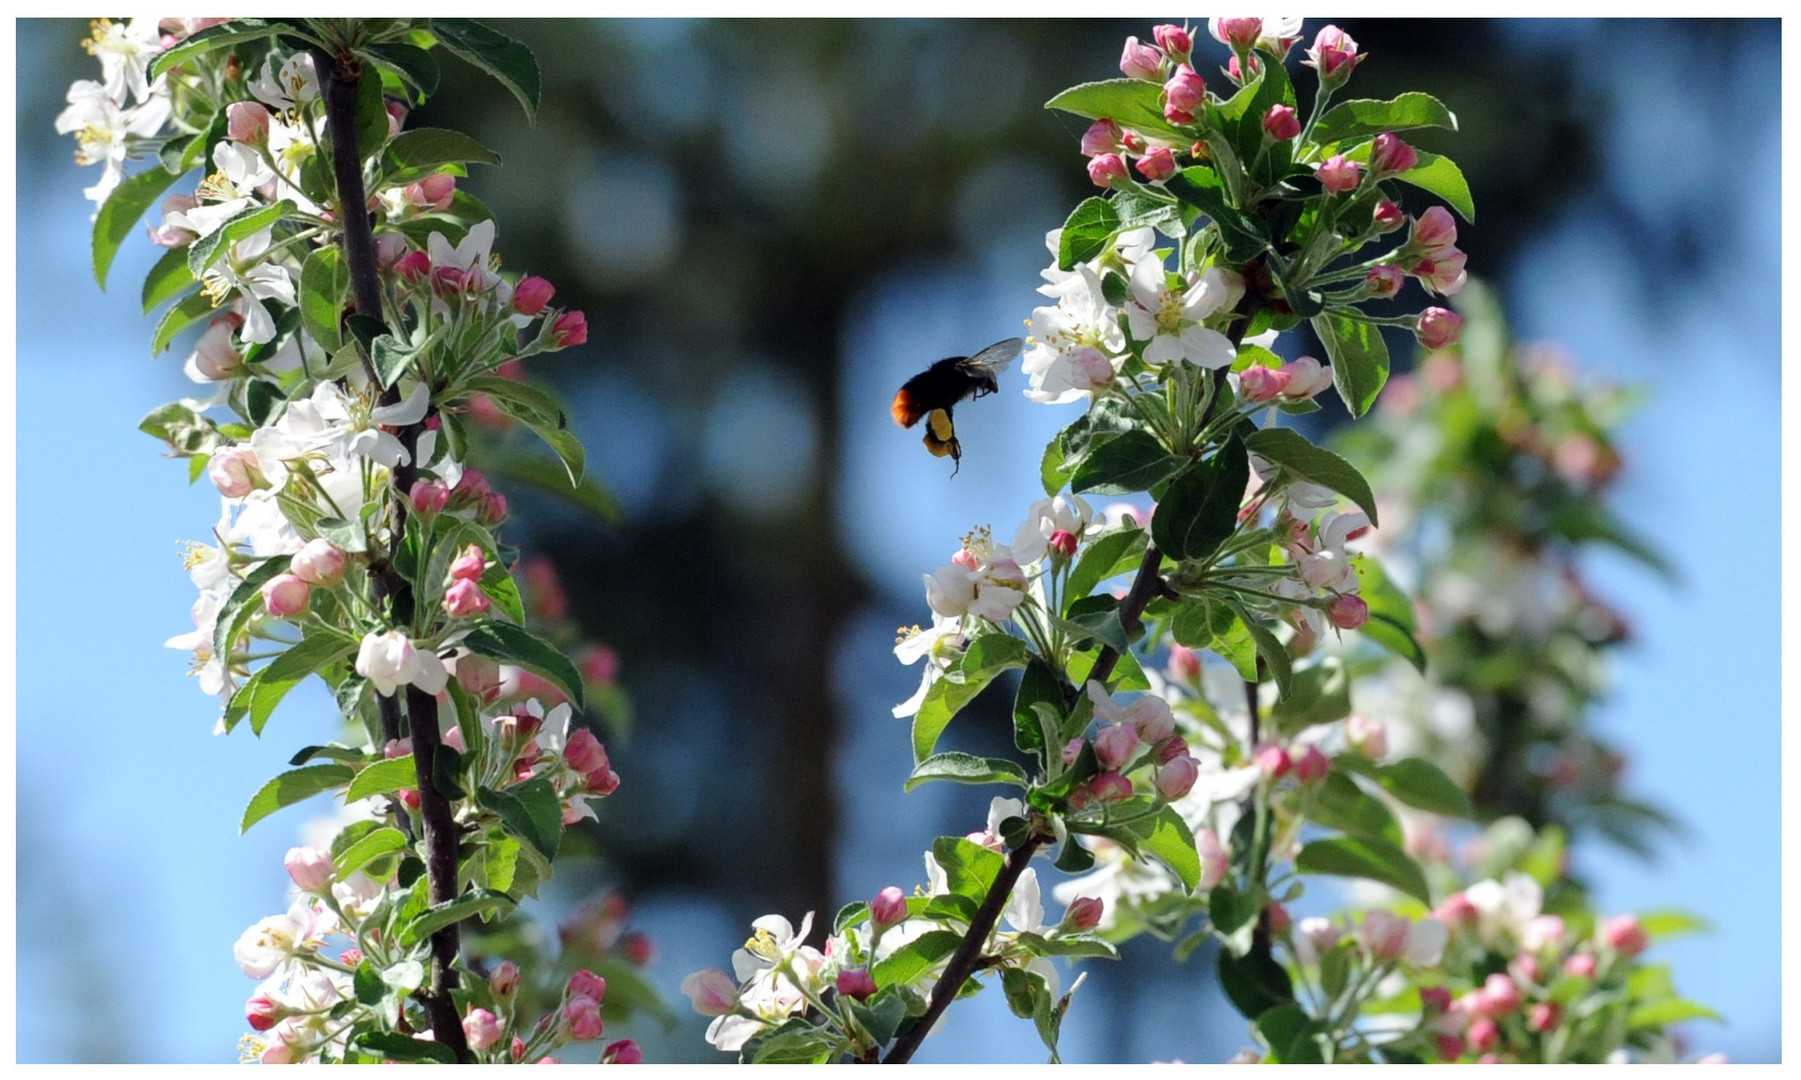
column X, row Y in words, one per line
column 1110, row 787
column 214, row 356
column 309, row 868
column 1084, row 913
column 1442, row 274
column 888, row 907
column 320, row 562
column 1114, row 746
column 1435, row 231
column 855, row 983
column 1176, row 777
column 447, row 281
column 531, row 294
column 1174, row 40
column 571, row 328
column 1102, row 137
column 585, row 983
column 428, row 497
column 1439, row 328
column 503, row 981
column 396, row 117
column 1216, row 858
column 584, row 753
column 1624, row 935
column 1171, row 748
column 412, row 266
column 1483, row 1035
column 1389, row 156
column 1176, row 115
column 469, row 563
column 1141, row 61
column 434, row 191
column 1280, row 123
column 1525, row 968
column 1062, row 544
column 409, row 798
column 262, row 1014
column 285, row 595
column 1383, row 935
column 1184, row 663
column 602, row 782
column 1280, row 922
column 1456, row 910
column 1542, row 1017
column 1106, row 169
column 1274, row 761
column 1313, row 766
column 464, row 598
column 1387, row 217
column 712, row 991
column 482, row 1029
column 1449, row 1047
column 1258, row 383
column 1385, row 280
column 623, row 1052
column 1133, row 142
column 234, row 470
column 1582, row 965
column 246, row 122
column 1307, row 377
column 1339, row 174
column 1368, row 737
column 1185, row 89
column 1543, row 932
column 1241, row 34
column 479, row 677
column 1500, row 995
column 1159, row 164
column 1348, row 612
column 581, row 1018
column 1435, row 999
column 1334, row 54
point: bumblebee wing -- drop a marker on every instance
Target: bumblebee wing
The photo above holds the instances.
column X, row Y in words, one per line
column 995, row 357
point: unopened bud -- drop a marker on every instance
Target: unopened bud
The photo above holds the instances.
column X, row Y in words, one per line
column 1102, row 137
column 1141, row 61
column 1274, row 761
column 1582, row 965
column 1259, row 384
column 429, row 497
column 1158, row 164
column 581, row 1019
column 1176, row 777
column 482, row 1029
column 1280, row 123
column 1439, row 327
column 1174, row 40
column 503, row 981
column 1367, row 736
column 571, row 328
column 1185, row 90
column 1624, row 935
column 1385, row 280
column 532, row 294
column 234, row 470
column 856, row 983
column 464, row 598
column 1348, row 612
column 1062, row 544
column 1338, row 174
column 262, row 1014
column 1390, row 156
column 1184, row 663
column 1501, row 995
column 623, row 1052
column 285, row 595
column 1110, row 787
column 246, row 122
column 1115, row 745
column 1241, row 33
column 1542, row 1017
column 1387, row 217
column 412, row 266
column 888, row 907
column 1313, row 766
column 1106, row 169
column 1483, row 1035
column 309, row 868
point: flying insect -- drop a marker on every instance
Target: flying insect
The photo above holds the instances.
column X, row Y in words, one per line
column 933, row 394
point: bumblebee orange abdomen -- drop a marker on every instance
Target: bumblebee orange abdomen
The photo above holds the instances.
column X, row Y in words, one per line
column 907, row 409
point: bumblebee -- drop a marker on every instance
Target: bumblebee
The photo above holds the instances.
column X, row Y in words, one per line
column 934, row 393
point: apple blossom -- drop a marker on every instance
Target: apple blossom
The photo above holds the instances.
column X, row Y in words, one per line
column 482, row 1028
column 320, row 562
column 1281, row 123
column 1084, row 913
column 1157, row 164
column 1106, row 169
column 1176, row 777
column 1339, row 174
column 1333, row 55
column 285, row 595
column 1439, row 328
column 1174, row 40
column 1389, row 156
column 1141, row 61
column 1102, row 137
column 389, row 660
column 581, row 1019
column 1624, row 935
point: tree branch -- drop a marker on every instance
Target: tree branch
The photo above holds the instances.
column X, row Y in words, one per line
column 963, row 962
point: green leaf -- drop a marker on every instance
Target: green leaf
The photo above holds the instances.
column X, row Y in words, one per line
column 531, row 810
column 1039, row 687
column 260, row 399
column 393, row 1046
column 1201, row 187
column 1289, row 1033
column 391, row 357
column 1442, row 177
column 1419, row 783
column 213, row 37
column 1086, row 232
column 794, row 1042
column 1131, row 103
column 1200, row 508
column 1316, row 695
column 1234, row 916
column 387, row 775
column 1365, row 857
column 118, row 218
column 205, row 251
column 1669, row 1011
column 498, row 55
column 1269, row 649
column 1134, row 461
column 438, row 916
column 1359, row 359
column 1668, row 923
column 1051, row 472
column 963, row 768
column 912, row 960
column 372, row 120
column 192, row 308
column 291, row 787
column 942, row 702
column 1170, row 842
column 1106, row 556
column 552, row 478
column 415, row 66
column 271, row 683
column 379, row 842
column 1315, row 464
column 501, row 641
column 1341, row 804
column 969, row 869
column 169, row 278
column 1366, row 118
column 1254, row 983
column 324, row 290
column 427, row 148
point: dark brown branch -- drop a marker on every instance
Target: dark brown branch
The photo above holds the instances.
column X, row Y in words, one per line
column 963, row 962
column 338, row 78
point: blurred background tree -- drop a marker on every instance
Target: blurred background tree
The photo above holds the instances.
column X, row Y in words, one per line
column 770, row 225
